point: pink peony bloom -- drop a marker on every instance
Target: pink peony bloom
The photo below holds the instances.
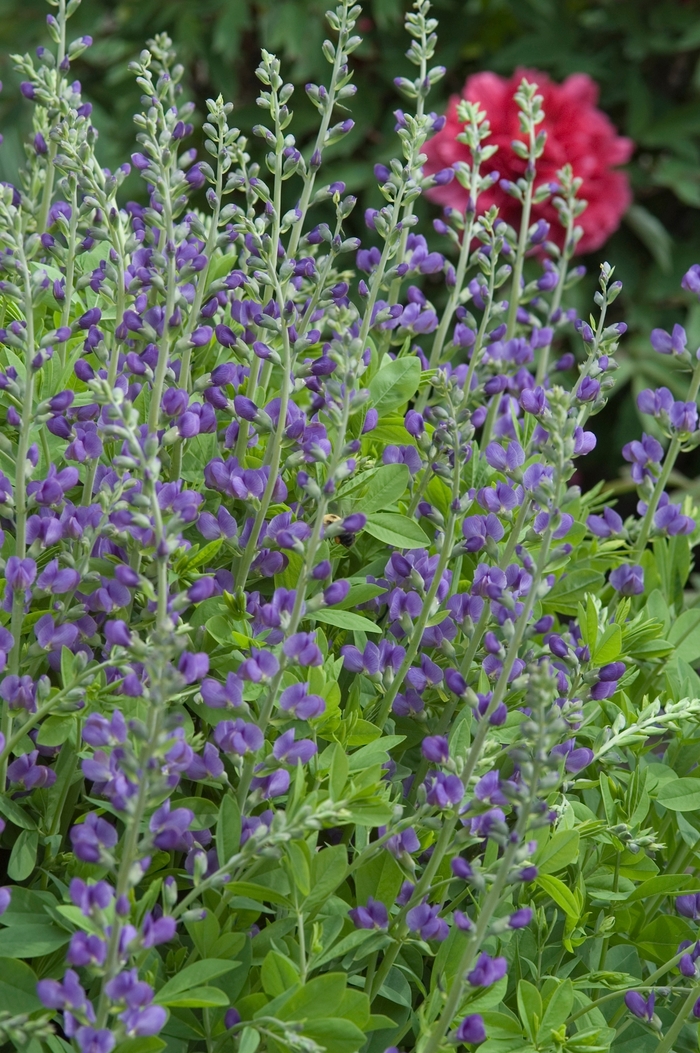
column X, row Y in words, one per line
column 577, row 132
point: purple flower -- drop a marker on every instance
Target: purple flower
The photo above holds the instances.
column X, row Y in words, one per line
column 95, row 1040
column 19, row 692
column 25, row 772
column 143, row 1022
column 272, row 785
column 669, row 343
column 520, row 918
column 435, row 749
column 262, row 665
column 479, row 530
column 223, row 696
column 302, row 647
column 90, row 897
column 689, row 906
column 208, row 766
column 290, row 752
column 157, row 930
column 487, row 971
column 691, row 279
column 99, row 731
column 373, row 916
column 575, row 760
column 684, row 416
column 605, row 525
column 235, row 736
column 443, row 791
column 655, row 402
column 643, row 454
column 91, row 836
column 639, row 1006
column 86, row 949
column 471, row 1031
column 20, row 573
column 424, row 920
column 628, row 580
column 169, row 827
column 193, row 666
column 296, row 700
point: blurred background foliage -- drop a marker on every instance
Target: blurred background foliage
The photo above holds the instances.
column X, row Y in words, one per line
column 644, row 54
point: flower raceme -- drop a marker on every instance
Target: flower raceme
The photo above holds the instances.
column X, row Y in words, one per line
column 327, row 695
column 578, row 133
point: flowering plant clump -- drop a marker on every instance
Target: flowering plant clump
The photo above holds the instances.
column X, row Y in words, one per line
column 334, row 715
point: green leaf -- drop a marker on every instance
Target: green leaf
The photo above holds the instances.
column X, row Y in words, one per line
column 681, row 795
column 152, row 1044
column 56, row 730
column 388, row 484
column 556, row 1011
column 560, row 851
column 34, row 940
column 685, row 637
column 335, row 1035
column 195, row 997
column 249, row 1040
column 17, row 987
column 300, row 866
column 259, row 893
column 529, row 1008
column 228, row 830
column 345, row 620
column 609, row 646
column 397, row 530
column 23, row 856
column 659, row 940
column 360, row 593
column 206, row 812
column 278, row 974
column 380, row 877
column 396, row 988
column 339, row 771
column 394, row 385
column 193, row 977
column 561, row 894
column 16, row 814
column 664, row 885
column 315, row 998
column 570, row 589
column 328, row 870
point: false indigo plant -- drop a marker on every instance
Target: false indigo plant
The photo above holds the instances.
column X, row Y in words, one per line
column 334, row 715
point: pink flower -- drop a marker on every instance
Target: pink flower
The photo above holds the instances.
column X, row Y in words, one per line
column 578, row 133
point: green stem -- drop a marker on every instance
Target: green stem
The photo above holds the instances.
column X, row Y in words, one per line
column 323, row 129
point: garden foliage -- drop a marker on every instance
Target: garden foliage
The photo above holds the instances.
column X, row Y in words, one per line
column 334, row 714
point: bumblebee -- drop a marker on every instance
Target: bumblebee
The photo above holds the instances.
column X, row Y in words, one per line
column 345, row 539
